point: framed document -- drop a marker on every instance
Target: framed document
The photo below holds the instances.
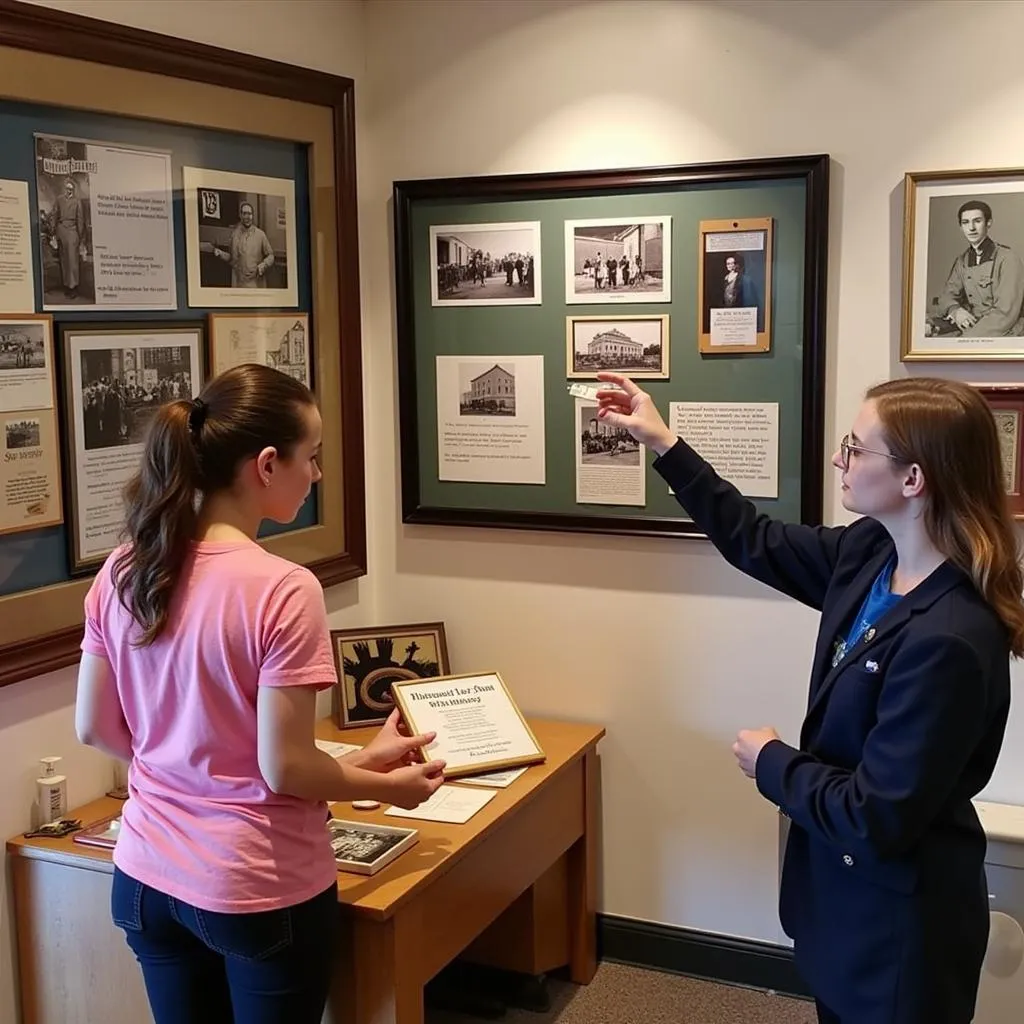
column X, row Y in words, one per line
column 478, row 725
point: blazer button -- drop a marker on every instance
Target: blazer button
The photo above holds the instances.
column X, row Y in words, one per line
column 847, row 860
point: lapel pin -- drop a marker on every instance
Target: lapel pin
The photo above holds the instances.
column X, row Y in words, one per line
column 871, row 666
column 870, row 635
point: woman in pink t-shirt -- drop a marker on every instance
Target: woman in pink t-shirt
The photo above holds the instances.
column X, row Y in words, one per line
column 202, row 657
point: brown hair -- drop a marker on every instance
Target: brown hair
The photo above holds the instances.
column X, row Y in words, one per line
column 192, row 448
column 948, row 429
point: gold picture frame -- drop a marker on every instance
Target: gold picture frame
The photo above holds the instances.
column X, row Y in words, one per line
column 367, row 666
column 113, row 71
column 963, row 265
column 728, row 293
column 614, row 336
column 458, row 691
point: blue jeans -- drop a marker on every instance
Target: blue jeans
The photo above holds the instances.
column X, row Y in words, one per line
column 200, row 967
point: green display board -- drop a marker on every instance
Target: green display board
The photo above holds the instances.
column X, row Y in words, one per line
column 485, row 344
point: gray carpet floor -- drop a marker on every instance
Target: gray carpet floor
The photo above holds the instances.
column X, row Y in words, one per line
column 629, row 995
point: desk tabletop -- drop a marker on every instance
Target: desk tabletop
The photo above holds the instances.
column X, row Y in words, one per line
column 440, row 845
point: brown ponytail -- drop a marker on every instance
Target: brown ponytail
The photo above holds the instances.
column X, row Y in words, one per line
column 192, row 449
column 948, row 429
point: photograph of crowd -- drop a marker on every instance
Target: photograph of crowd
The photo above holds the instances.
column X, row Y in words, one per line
column 485, row 264
column 122, row 387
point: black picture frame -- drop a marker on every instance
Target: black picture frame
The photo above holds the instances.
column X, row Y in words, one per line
column 415, row 198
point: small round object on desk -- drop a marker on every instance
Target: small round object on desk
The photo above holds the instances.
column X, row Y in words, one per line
column 366, row 805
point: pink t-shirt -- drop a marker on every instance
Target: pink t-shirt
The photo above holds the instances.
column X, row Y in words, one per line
column 200, row 823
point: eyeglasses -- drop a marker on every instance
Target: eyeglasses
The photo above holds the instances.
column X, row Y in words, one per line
column 845, row 448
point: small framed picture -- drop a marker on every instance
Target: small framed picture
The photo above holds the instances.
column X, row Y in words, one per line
column 618, row 259
column 370, row 659
column 116, row 375
column 280, row 340
column 485, row 264
column 1007, row 404
column 636, row 346
column 963, row 265
column 364, row 847
column 477, row 724
column 735, row 286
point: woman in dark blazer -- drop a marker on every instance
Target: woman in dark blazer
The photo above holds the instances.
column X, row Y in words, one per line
column 883, row 888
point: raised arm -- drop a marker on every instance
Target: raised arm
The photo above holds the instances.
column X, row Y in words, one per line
column 793, row 559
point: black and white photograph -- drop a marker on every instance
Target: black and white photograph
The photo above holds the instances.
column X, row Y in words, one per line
column 121, row 388
column 241, row 242
column 487, row 389
column 964, row 285
column 365, row 849
column 610, row 260
column 22, row 434
column 601, row 444
column 115, row 378
column 26, row 363
column 22, row 346
column 106, row 240
column 485, row 264
column 637, row 346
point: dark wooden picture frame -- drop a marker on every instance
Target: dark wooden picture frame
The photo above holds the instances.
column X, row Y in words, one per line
column 362, row 695
column 130, row 73
column 1007, row 404
column 805, row 294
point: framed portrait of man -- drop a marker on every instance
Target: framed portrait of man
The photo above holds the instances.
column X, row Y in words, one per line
column 963, row 265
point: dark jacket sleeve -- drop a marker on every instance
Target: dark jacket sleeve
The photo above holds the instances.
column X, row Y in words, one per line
column 796, row 560
column 932, row 713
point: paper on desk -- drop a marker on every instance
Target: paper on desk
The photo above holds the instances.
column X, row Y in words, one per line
column 449, row 803
column 498, row 780
column 336, row 750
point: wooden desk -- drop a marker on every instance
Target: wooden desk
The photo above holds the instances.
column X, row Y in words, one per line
column 516, row 886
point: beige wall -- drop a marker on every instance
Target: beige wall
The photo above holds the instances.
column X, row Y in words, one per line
column 489, row 86
column 37, row 716
column 696, row 651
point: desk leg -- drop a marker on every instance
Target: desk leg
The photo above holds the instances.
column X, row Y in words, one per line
column 385, row 990
column 583, row 881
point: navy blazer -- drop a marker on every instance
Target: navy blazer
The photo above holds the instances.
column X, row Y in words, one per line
column 883, row 888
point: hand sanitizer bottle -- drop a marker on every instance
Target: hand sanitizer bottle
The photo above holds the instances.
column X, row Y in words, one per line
column 51, row 792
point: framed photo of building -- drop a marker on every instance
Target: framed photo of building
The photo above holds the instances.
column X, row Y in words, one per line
column 963, row 265
column 370, row 660
column 491, row 436
column 280, row 340
column 637, row 346
column 92, row 175
column 735, row 286
column 116, row 377
column 1007, row 404
column 618, row 259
